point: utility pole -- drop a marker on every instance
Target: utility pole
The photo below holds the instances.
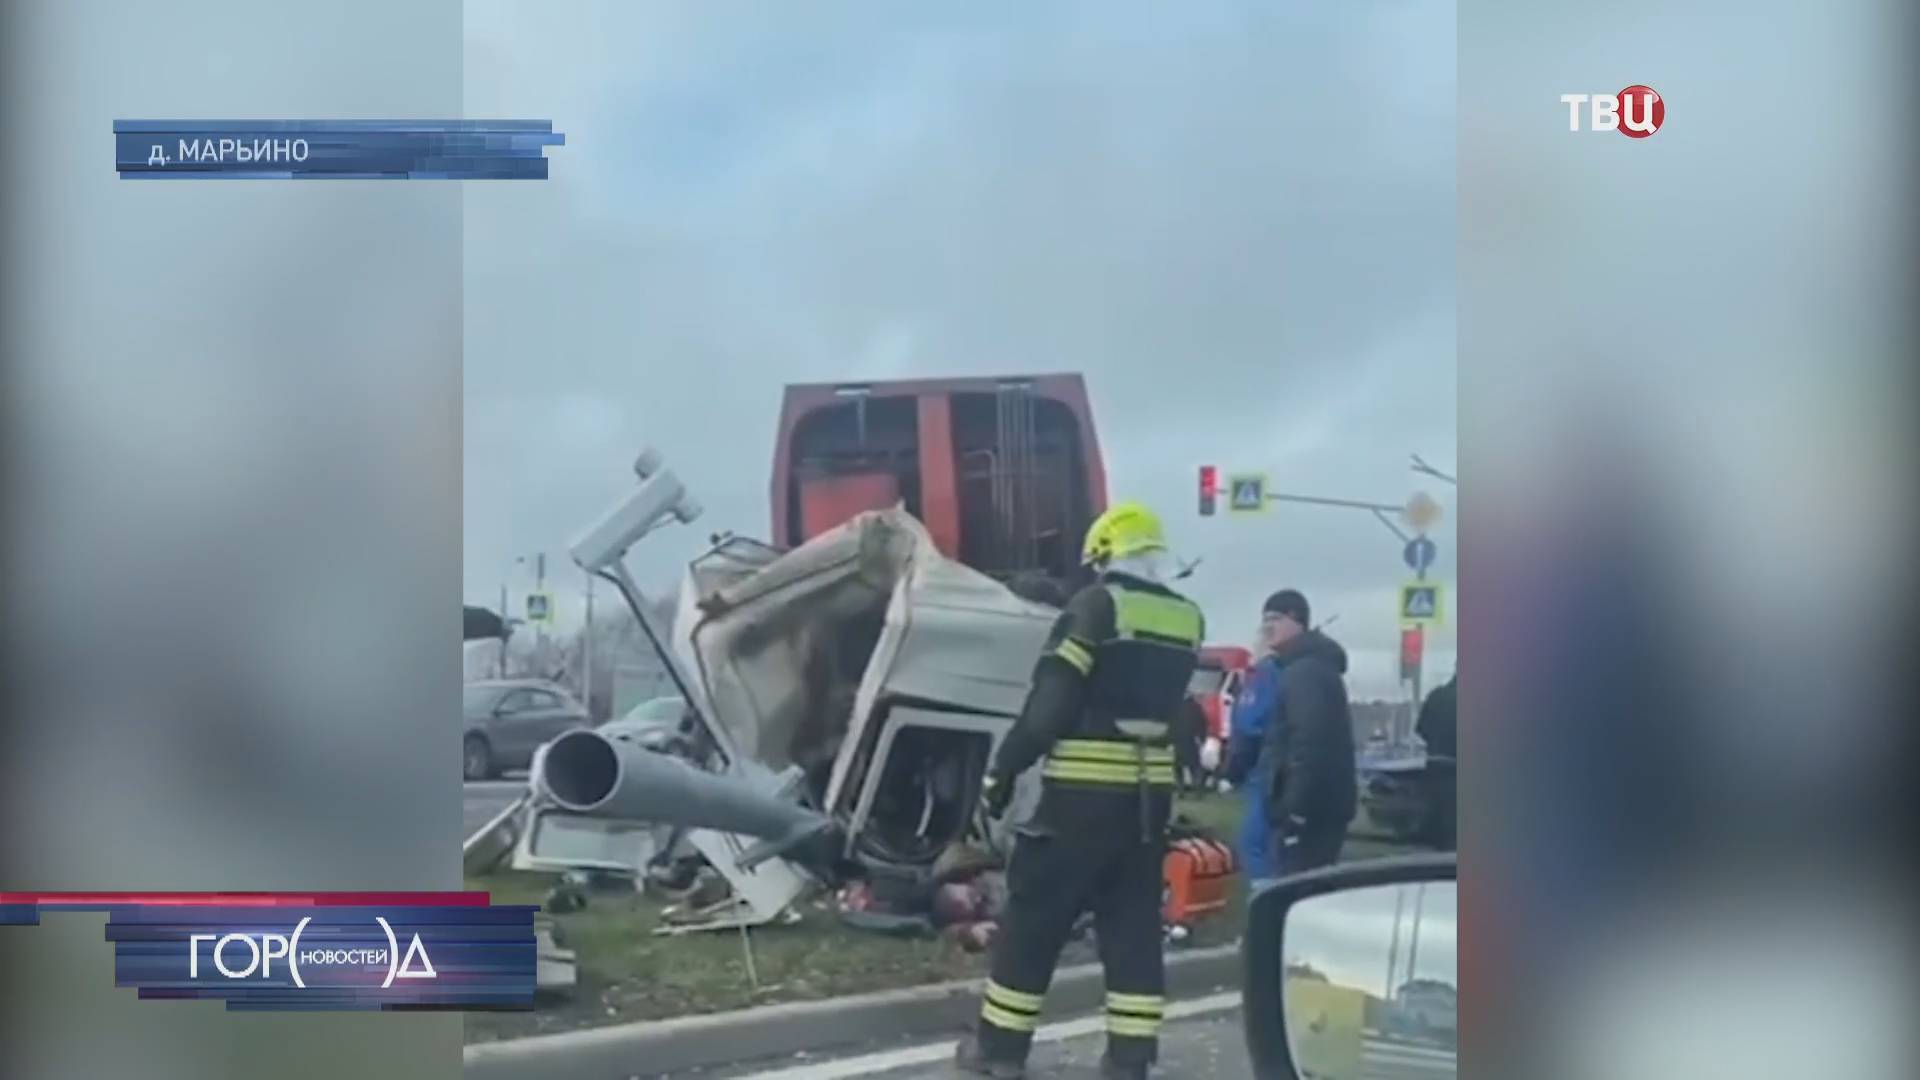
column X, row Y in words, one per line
column 1420, row 663
column 1413, row 944
column 540, row 586
column 586, row 652
column 1393, row 945
column 501, row 672
column 506, row 616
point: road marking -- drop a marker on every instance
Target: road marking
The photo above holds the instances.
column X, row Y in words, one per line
column 943, row 1051
column 1400, row 1061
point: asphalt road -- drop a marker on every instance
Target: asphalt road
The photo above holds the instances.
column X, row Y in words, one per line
column 482, row 799
column 1203, row 1039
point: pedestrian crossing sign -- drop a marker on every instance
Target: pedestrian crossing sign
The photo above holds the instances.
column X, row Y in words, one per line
column 1421, row 603
column 539, row 608
column 1247, row 493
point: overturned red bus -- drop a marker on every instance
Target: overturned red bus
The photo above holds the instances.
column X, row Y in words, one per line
column 1005, row 473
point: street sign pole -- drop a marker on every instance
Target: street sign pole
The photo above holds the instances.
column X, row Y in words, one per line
column 1413, row 713
column 1412, row 661
column 1419, row 574
column 1420, row 604
column 540, row 586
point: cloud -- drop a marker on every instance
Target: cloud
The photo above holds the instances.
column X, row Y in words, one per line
column 1236, row 220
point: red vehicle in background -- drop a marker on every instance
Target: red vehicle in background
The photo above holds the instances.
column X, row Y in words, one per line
column 1004, row 472
column 1216, row 682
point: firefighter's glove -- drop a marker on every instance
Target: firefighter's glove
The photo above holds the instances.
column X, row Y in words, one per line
column 995, row 793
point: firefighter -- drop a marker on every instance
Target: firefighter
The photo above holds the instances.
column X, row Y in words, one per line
column 1105, row 692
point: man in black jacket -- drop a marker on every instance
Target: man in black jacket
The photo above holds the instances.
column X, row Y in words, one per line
column 1312, row 795
column 1436, row 729
column 1436, row 724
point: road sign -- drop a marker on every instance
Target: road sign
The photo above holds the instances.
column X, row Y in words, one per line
column 1422, row 512
column 1247, row 493
column 1420, row 602
column 539, row 608
column 1419, row 554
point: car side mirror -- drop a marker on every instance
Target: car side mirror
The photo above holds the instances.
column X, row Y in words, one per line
column 1353, row 971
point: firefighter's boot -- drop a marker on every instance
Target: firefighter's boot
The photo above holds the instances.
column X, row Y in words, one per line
column 969, row 1057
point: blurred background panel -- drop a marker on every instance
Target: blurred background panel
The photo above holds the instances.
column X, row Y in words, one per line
column 232, row 439
column 1687, row 415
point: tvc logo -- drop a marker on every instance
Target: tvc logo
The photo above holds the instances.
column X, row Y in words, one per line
column 1636, row 112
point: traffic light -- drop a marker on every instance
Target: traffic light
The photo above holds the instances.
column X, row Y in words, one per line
column 1209, row 489
column 1412, row 640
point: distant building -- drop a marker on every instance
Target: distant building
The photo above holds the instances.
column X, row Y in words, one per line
column 1429, row 1005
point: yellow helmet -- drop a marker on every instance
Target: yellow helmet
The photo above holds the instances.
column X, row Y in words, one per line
column 1126, row 528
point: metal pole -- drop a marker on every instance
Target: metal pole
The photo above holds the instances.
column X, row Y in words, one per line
column 1413, row 712
column 1393, row 945
column 540, row 586
column 616, row 572
column 1413, row 945
column 746, row 944
column 586, row 653
column 506, row 617
column 1318, row 501
column 1391, row 527
column 1419, row 666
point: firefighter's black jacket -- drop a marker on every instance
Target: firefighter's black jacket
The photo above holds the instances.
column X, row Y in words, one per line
column 1119, row 660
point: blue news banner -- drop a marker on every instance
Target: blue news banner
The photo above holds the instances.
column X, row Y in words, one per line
column 333, row 149
column 329, row 952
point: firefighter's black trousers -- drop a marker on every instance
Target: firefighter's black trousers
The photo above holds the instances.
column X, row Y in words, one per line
column 1085, row 851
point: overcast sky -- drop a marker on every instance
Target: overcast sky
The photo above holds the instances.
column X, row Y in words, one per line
column 1349, row 936
column 1236, row 220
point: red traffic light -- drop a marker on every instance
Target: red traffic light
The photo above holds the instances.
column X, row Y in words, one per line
column 1412, row 642
column 1209, row 489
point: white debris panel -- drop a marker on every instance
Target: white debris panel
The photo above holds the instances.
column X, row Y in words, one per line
column 795, row 652
column 800, row 657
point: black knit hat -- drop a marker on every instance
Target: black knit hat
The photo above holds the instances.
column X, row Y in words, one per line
column 1290, row 603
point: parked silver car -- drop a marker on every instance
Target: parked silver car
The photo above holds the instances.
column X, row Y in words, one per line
column 655, row 724
column 506, row 719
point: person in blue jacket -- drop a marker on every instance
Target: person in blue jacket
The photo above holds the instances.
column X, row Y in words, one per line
column 1291, row 726
column 1253, row 710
